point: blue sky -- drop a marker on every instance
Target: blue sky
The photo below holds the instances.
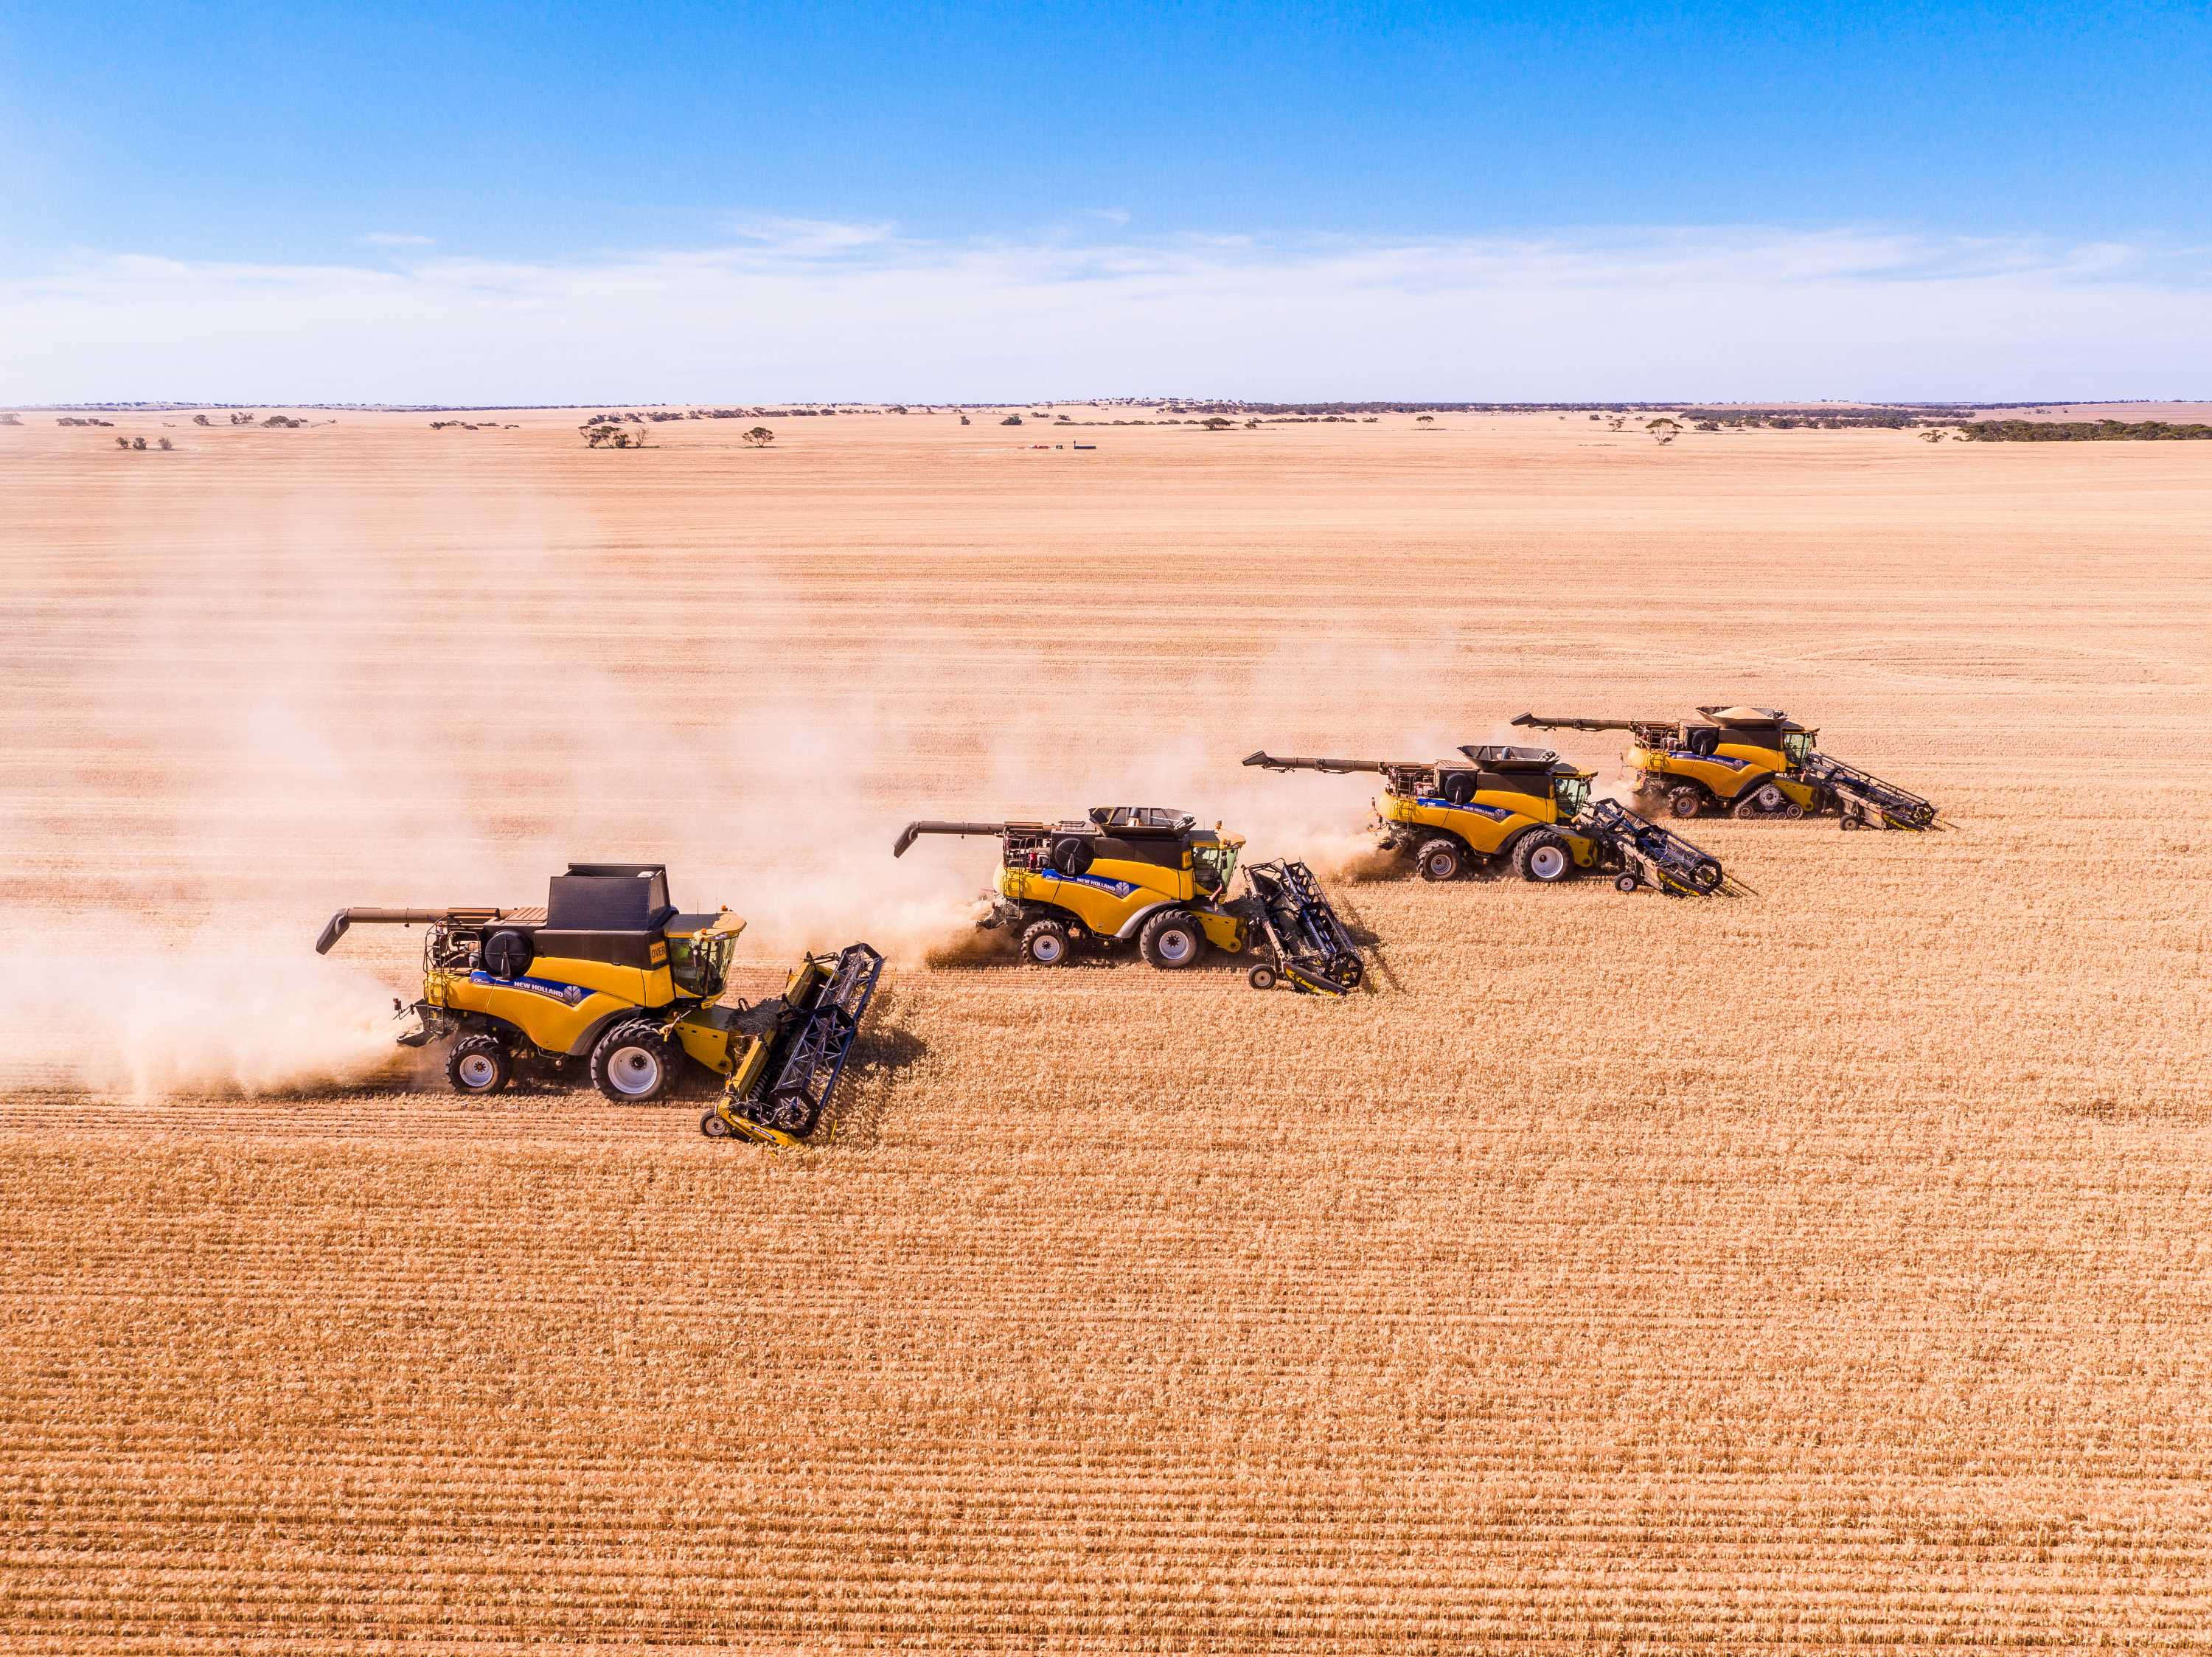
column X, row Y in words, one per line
column 167, row 156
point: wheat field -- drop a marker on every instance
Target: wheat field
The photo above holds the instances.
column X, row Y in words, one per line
column 1820, row 1269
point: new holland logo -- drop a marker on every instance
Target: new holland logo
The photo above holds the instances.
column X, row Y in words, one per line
column 1709, row 758
column 1497, row 814
column 1119, row 888
column 569, row 995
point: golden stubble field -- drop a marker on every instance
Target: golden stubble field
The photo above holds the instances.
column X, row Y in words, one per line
column 1825, row 1269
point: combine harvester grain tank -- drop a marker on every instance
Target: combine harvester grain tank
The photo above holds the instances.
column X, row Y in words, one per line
column 1751, row 763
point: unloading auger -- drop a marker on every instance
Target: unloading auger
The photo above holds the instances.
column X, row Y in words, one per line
column 1751, row 762
column 1525, row 808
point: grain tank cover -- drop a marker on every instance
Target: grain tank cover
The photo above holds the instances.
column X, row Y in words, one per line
column 608, row 897
column 1745, row 715
column 1142, row 819
column 1497, row 756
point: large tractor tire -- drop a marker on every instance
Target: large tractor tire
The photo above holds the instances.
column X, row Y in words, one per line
column 1439, row 859
column 1171, row 941
column 479, row 1064
column 1684, row 801
column 1044, row 943
column 633, row 1063
column 1542, row 857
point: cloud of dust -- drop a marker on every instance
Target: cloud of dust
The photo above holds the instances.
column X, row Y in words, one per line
column 200, row 1017
column 323, row 711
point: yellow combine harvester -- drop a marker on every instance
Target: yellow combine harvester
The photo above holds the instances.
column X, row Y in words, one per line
column 1525, row 808
column 610, row 977
column 1150, row 875
column 1751, row 762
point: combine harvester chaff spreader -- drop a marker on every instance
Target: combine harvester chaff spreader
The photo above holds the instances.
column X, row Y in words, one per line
column 1751, row 763
column 1151, row 876
column 1522, row 808
column 610, row 978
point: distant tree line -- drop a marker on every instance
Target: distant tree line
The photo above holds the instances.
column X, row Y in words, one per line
column 2081, row 431
column 1891, row 418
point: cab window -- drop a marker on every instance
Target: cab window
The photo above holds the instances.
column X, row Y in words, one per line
column 1796, row 747
column 1572, row 793
column 1211, row 866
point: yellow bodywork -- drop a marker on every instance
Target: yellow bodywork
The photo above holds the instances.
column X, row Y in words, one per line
column 1113, row 892
column 1488, row 821
column 560, row 1001
column 1735, row 768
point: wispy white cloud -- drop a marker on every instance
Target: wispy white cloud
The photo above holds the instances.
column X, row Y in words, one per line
column 809, row 238
column 397, row 239
column 789, row 309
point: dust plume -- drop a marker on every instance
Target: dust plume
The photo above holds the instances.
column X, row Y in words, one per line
column 303, row 711
column 191, row 1019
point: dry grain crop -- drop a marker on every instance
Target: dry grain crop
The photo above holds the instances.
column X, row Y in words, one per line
column 1822, row 1271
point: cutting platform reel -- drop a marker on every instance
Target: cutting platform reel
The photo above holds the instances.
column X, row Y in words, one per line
column 1306, row 946
column 1646, row 854
column 1864, row 800
column 783, row 1080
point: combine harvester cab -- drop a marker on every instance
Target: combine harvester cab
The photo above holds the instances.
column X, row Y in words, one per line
column 610, row 979
column 1750, row 763
column 1499, row 808
column 1150, row 875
